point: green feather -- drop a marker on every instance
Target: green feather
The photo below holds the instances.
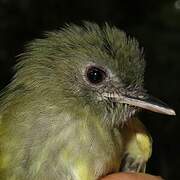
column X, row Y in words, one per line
column 52, row 126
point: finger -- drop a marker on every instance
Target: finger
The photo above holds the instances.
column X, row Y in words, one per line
column 131, row 176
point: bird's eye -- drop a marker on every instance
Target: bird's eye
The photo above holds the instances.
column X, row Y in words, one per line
column 95, row 75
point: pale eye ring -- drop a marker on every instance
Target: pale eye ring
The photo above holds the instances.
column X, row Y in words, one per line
column 95, row 75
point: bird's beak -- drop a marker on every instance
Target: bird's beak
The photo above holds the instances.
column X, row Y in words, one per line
column 144, row 101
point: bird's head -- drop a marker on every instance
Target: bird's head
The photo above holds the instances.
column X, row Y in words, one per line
column 88, row 67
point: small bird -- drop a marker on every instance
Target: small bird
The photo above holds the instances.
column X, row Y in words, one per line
column 70, row 111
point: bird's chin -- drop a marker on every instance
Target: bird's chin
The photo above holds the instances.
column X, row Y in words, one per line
column 130, row 112
column 119, row 114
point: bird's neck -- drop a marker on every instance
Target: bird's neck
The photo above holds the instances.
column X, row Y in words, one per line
column 87, row 149
column 61, row 142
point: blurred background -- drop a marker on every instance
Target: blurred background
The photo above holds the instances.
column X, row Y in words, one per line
column 156, row 24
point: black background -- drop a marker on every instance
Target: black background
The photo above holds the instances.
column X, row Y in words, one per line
column 156, row 24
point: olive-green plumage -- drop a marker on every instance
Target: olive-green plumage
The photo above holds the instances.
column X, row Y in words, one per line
column 55, row 120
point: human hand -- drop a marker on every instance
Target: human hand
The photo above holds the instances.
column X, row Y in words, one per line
column 131, row 176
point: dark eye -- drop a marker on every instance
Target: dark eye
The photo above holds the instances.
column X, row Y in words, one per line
column 95, row 75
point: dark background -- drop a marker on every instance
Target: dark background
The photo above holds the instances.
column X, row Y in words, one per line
column 155, row 23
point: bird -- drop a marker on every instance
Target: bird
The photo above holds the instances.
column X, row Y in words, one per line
column 71, row 109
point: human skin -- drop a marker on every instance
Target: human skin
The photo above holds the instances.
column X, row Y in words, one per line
column 131, row 176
